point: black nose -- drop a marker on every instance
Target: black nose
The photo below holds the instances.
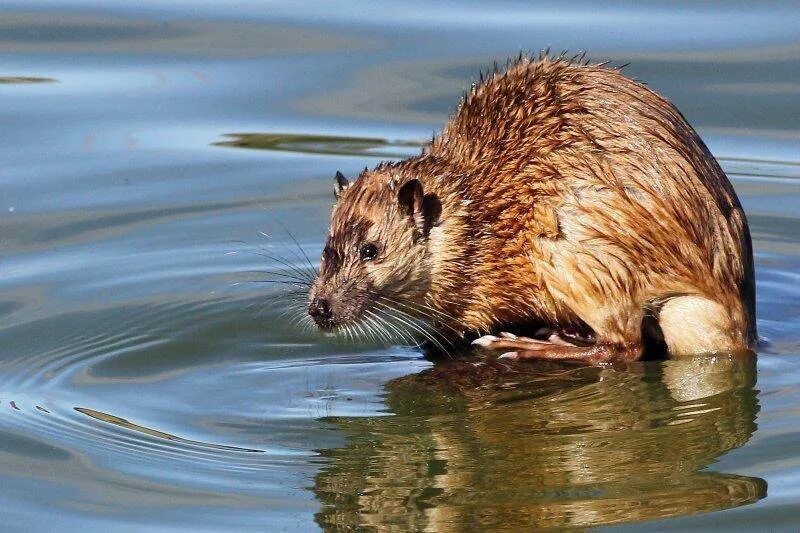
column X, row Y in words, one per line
column 320, row 309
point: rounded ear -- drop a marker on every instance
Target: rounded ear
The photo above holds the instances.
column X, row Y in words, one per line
column 423, row 209
column 340, row 183
column 410, row 197
column 432, row 211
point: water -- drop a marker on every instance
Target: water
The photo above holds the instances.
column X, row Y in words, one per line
column 145, row 383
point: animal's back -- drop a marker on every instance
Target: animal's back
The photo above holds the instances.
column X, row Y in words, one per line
column 618, row 204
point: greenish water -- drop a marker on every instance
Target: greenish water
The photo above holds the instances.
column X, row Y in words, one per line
column 145, row 383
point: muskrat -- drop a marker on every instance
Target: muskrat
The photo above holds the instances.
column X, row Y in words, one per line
column 561, row 197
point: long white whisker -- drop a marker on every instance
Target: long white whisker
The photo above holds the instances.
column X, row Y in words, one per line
column 310, row 264
column 403, row 336
column 284, row 262
column 423, row 313
column 286, row 275
column 371, row 324
column 387, row 326
column 410, row 321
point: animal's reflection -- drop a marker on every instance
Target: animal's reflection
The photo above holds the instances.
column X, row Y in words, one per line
column 494, row 446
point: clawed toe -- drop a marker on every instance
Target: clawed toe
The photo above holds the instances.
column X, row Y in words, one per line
column 507, row 340
column 485, row 341
column 555, row 338
column 488, row 340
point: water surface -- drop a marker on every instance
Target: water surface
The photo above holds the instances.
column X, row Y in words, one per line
column 154, row 152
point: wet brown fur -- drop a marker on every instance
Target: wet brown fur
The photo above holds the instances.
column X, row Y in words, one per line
column 570, row 196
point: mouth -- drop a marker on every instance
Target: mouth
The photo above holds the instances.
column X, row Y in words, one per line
column 325, row 324
column 330, row 314
column 335, row 322
column 330, row 322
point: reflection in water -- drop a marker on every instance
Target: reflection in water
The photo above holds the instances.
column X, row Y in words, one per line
column 492, row 446
column 127, row 424
column 38, row 32
column 321, row 144
column 24, row 79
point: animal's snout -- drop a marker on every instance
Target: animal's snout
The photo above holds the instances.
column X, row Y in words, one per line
column 320, row 311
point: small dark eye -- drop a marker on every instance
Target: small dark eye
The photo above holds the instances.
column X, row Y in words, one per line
column 368, row 252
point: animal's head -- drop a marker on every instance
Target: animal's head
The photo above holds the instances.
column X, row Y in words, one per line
column 376, row 255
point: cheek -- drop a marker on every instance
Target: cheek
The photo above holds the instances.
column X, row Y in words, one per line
column 379, row 273
column 397, row 268
column 352, row 271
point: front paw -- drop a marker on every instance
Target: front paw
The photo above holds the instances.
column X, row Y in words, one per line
column 505, row 340
column 554, row 348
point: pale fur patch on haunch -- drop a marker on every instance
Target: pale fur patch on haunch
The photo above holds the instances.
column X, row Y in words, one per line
column 695, row 325
column 570, row 196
